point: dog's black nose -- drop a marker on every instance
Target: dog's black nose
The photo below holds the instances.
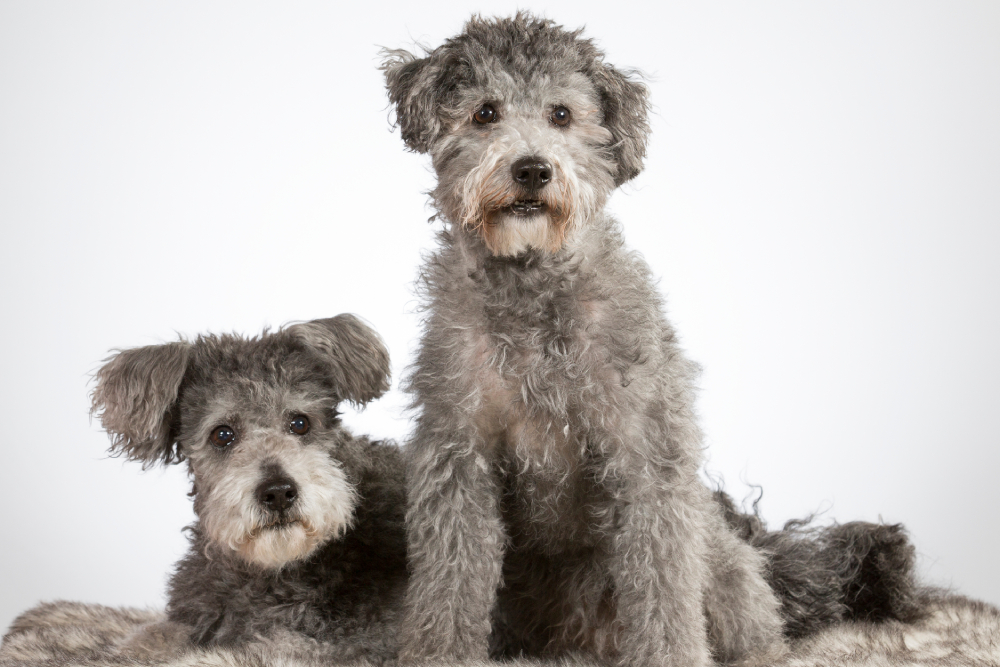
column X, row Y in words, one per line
column 277, row 493
column 532, row 172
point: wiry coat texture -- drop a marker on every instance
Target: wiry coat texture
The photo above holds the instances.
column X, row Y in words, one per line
column 300, row 524
column 956, row 632
column 553, row 473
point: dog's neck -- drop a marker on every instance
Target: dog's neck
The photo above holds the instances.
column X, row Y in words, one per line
column 533, row 288
column 584, row 248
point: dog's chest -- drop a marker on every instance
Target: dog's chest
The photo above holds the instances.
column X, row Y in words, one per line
column 542, row 368
column 543, row 377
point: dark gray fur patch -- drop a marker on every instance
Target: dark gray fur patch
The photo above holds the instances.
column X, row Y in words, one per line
column 856, row 571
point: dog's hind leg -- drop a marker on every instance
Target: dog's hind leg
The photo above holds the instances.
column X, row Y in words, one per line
column 826, row 574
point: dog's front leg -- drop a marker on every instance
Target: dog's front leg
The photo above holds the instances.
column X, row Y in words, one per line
column 658, row 565
column 455, row 545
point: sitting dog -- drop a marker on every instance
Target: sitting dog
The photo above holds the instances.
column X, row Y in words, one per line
column 299, row 523
column 553, row 483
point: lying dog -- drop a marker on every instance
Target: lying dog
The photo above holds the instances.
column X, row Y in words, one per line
column 299, row 523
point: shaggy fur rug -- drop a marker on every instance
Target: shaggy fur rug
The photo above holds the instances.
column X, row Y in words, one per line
column 956, row 631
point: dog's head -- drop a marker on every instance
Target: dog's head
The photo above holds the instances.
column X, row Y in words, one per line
column 256, row 419
column 529, row 129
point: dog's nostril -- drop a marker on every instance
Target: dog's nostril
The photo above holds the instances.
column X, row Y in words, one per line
column 531, row 172
column 277, row 494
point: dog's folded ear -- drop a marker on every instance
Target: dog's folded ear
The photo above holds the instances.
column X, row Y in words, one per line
column 356, row 357
column 415, row 87
column 135, row 399
column 625, row 105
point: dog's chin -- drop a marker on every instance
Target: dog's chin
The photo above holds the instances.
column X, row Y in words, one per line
column 524, row 224
column 275, row 546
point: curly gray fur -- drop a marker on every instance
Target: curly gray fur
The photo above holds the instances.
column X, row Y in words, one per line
column 554, row 501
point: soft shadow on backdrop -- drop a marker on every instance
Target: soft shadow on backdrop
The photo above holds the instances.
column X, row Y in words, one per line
column 821, row 202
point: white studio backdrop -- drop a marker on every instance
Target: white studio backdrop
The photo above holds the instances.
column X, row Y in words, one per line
column 821, row 202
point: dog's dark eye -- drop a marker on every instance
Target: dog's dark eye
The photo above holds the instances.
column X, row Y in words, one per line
column 299, row 425
column 222, row 436
column 560, row 116
column 485, row 114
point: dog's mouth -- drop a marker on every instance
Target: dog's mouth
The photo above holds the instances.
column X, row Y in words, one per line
column 527, row 207
column 278, row 524
column 283, row 523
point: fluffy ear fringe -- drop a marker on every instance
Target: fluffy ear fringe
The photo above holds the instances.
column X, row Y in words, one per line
column 354, row 353
column 135, row 399
column 625, row 104
column 415, row 86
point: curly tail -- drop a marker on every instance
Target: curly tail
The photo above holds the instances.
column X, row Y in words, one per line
column 824, row 574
